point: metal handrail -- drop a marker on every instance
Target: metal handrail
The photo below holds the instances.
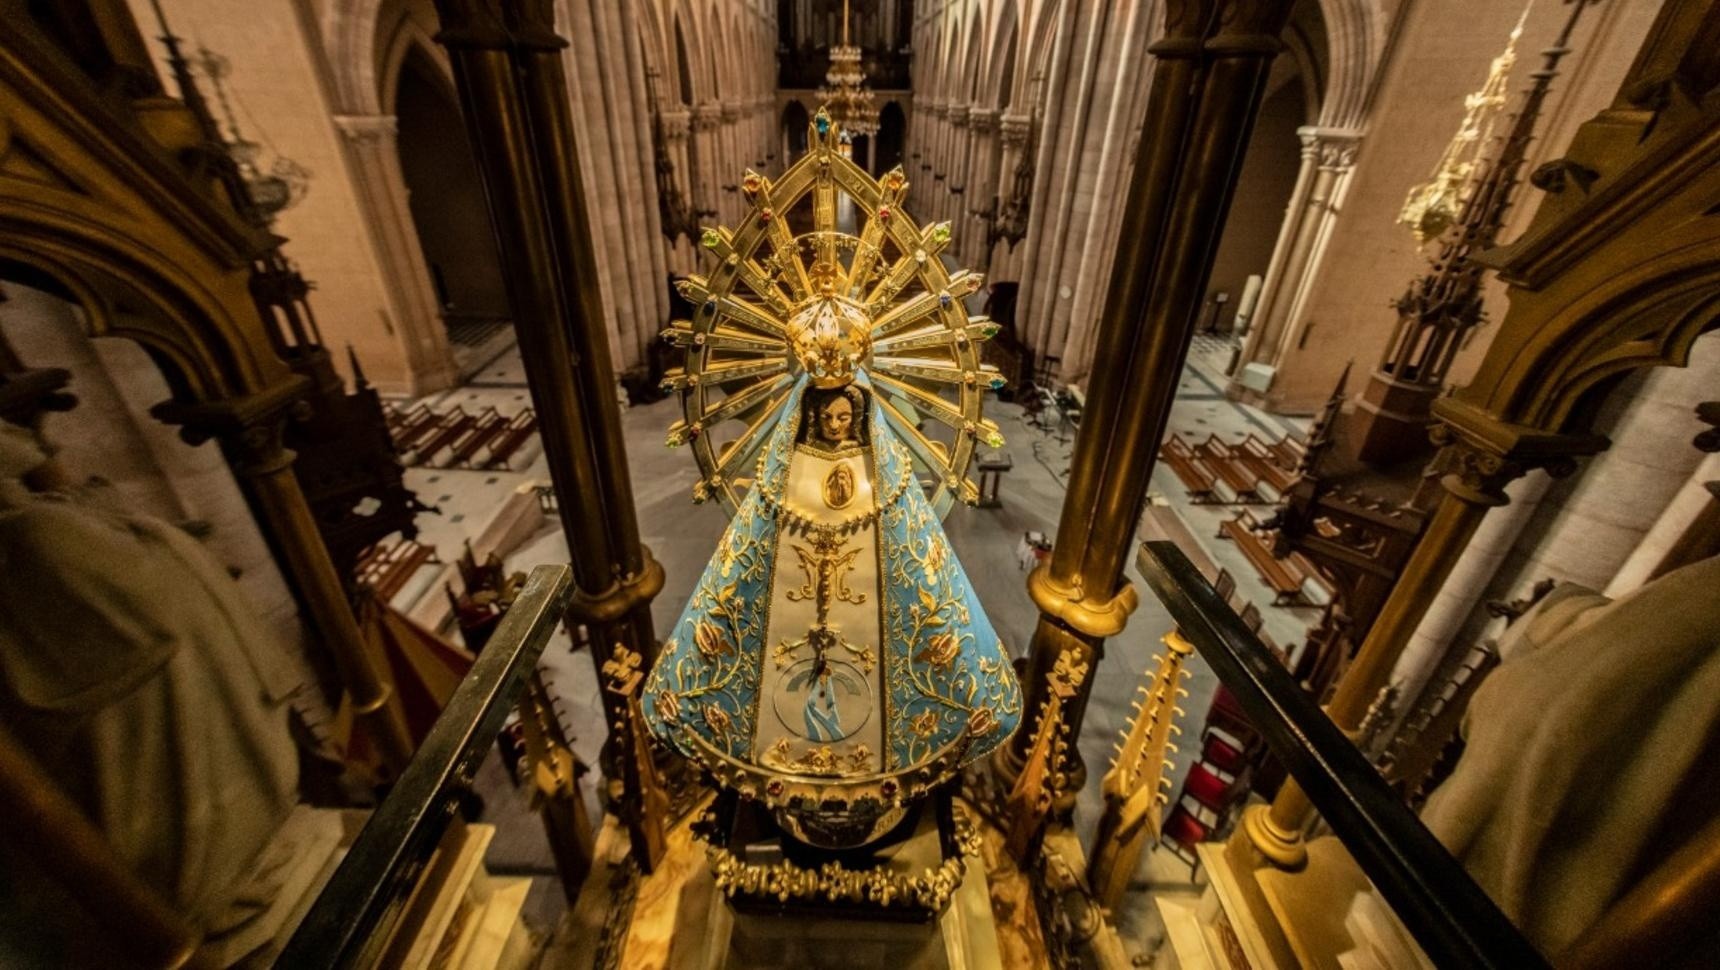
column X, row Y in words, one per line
column 1454, row 920
column 366, row 895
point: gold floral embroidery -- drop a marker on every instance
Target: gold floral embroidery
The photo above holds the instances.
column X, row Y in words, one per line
column 819, row 759
column 668, row 705
column 940, row 651
column 710, row 640
column 926, row 723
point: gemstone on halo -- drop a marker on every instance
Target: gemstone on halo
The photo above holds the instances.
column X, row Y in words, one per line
column 709, row 238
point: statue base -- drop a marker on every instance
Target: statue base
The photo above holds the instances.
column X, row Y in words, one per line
column 906, row 876
column 676, row 917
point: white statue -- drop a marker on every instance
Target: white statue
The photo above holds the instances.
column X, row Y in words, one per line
column 133, row 670
column 1590, row 753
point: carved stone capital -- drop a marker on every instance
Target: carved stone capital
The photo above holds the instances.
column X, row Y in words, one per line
column 707, row 116
column 368, row 129
column 982, row 119
column 472, row 25
column 958, row 115
column 1333, row 149
column 1015, row 130
column 733, row 111
column 676, row 124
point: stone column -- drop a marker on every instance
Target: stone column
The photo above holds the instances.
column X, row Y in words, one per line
column 1206, row 91
column 955, row 180
column 1695, row 505
column 1013, row 133
column 683, row 258
column 1328, row 157
column 1096, row 82
column 1467, row 585
column 737, row 163
column 251, row 430
column 706, row 160
column 372, row 149
column 515, row 99
column 981, row 188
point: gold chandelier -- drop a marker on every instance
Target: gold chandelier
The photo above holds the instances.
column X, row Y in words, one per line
column 845, row 96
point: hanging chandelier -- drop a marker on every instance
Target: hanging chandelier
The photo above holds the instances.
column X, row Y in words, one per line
column 846, row 98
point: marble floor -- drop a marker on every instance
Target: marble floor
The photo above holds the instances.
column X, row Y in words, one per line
column 681, row 536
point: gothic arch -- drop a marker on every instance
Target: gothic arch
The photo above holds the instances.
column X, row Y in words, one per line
column 364, row 44
column 1355, row 40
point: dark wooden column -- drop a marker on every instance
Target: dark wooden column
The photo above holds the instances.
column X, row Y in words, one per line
column 514, row 95
column 1206, row 90
column 251, row 429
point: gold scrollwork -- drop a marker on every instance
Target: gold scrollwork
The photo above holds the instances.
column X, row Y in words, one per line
column 783, row 880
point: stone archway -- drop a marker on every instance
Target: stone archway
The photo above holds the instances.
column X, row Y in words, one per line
column 446, row 200
column 362, row 69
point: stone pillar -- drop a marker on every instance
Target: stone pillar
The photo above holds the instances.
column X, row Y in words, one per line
column 515, row 99
column 1694, row 506
column 1328, row 158
column 736, row 163
column 1096, row 82
column 705, row 163
column 373, row 152
column 955, row 180
column 1467, row 585
column 1013, row 132
column 981, row 185
column 683, row 258
column 1206, row 89
column 251, row 431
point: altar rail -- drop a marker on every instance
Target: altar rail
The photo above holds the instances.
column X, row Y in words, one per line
column 1453, row 919
column 366, row 894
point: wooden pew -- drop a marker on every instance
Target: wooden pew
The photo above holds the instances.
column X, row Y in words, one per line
column 1258, row 457
column 517, row 433
column 413, row 426
column 388, row 568
column 487, row 426
column 453, row 424
column 1286, row 452
column 1240, row 480
column 1194, row 475
column 1285, row 583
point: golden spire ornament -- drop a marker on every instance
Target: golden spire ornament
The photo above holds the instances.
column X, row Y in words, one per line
column 1433, row 205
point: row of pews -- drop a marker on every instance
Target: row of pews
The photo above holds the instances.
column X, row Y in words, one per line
column 387, row 567
column 1293, row 579
column 1246, row 472
column 453, row 438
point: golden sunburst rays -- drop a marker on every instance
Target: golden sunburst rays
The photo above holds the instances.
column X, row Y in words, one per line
column 924, row 358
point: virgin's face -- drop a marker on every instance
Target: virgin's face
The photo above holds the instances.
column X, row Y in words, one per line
column 836, row 420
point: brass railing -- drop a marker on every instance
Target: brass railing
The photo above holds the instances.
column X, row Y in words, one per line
column 366, row 895
column 1453, row 919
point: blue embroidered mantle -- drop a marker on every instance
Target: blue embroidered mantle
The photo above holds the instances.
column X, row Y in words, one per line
column 946, row 678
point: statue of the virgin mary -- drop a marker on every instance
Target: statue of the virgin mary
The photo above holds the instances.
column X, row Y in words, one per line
column 833, row 661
